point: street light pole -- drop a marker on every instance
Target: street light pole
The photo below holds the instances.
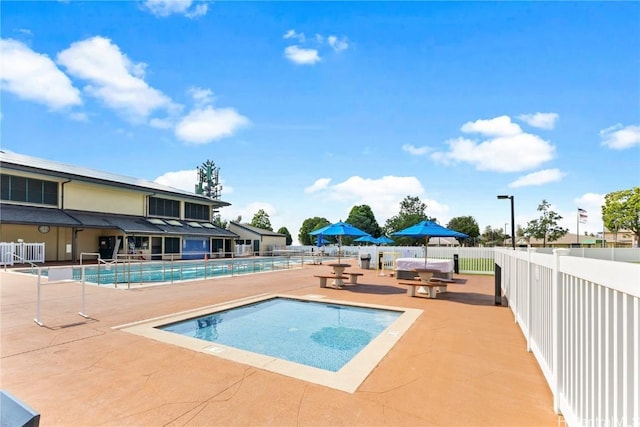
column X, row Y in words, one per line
column 513, row 223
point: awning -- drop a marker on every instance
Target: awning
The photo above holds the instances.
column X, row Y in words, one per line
column 32, row 215
column 125, row 223
column 128, row 224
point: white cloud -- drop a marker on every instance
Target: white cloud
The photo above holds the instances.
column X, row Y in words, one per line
column 166, row 123
column 33, row 76
column 507, row 150
column 113, row 78
column 338, row 44
column 292, row 34
column 540, row 120
column 320, row 184
column 164, row 8
column 301, row 56
column 383, row 195
column 203, row 125
column 249, row 210
column 416, row 151
column 620, row 137
column 201, row 96
column 499, row 126
column 538, row 178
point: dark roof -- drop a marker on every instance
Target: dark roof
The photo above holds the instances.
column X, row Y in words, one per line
column 17, row 214
column 125, row 223
column 260, row 231
column 129, row 224
column 184, row 229
column 42, row 166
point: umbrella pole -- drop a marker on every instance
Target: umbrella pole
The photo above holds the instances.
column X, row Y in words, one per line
column 426, row 245
column 339, row 247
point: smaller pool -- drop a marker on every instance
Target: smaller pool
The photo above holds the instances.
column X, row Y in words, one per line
column 322, row 335
column 332, row 343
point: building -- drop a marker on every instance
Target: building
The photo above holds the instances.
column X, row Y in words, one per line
column 256, row 240
column 77, row 211
column 623, row 239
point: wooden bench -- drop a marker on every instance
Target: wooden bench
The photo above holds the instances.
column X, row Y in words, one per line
column 430, row 286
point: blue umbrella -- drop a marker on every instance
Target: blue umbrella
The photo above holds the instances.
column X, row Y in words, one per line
column 383, row 240
column 426, row 229
column 339, row 229
column 366, row 238
column 321, row 241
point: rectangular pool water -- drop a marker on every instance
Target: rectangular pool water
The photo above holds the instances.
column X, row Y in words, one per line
column 318, row 334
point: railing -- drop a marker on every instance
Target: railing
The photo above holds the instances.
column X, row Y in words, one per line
column 124, row 272
column 28, row 252
column 581, row 320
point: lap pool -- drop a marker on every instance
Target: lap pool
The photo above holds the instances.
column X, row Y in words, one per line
column 150, row 272
column 333, row 343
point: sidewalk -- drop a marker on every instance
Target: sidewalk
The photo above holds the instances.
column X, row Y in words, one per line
column 462, row 363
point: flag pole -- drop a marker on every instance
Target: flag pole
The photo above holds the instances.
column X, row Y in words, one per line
column 578, row 226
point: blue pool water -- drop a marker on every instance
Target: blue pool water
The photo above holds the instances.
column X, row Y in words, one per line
column 317, row 334
column 167, row 271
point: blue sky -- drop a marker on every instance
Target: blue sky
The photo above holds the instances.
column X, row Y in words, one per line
column 310, row 108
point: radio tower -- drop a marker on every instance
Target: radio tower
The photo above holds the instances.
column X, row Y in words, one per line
column 209, row 184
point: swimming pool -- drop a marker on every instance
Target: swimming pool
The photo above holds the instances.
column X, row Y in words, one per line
column 338, row 344
column 318, row 334
column 145, row 272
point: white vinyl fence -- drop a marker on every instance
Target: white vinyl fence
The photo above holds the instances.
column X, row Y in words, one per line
column 11, row 253
column 581, row 320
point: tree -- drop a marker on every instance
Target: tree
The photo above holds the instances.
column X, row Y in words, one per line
column 412, row 211
column 621, row 211
column 466, row 225
column 219, row 222
column 362, row 217
column 261, row 220
column 546, row 227
column 308, row 226
column 283, row 230
column 493, row 236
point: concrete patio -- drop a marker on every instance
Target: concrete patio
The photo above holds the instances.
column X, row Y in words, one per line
column 463, row 362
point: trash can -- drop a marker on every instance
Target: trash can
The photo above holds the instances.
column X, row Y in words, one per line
column 365, row 261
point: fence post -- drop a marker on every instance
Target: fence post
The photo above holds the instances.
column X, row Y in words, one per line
column 530, row 250
column 557, row 325
column 497, row 284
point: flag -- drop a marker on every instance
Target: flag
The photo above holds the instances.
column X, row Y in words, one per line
column 582, row 216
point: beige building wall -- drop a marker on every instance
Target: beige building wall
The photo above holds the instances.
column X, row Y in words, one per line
column 269, row 243
column 98, row 198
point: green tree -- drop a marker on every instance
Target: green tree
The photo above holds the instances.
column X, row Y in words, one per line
column 466, row 225
column 283, row 230
column 362, row 217
column 261, row 220
column 546, row 227
column 621, row 211
column 493, row 236
column 308, row 225
column 412, row 211
column 219, row 222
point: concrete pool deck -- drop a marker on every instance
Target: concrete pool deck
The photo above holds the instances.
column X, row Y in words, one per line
column 463, row 362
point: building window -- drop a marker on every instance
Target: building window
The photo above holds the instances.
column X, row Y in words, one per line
column 171, row 245
column 164, row 207
column 29, row 190
column 196, row 211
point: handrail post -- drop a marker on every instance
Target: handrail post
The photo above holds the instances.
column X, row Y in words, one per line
column 37, row 319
